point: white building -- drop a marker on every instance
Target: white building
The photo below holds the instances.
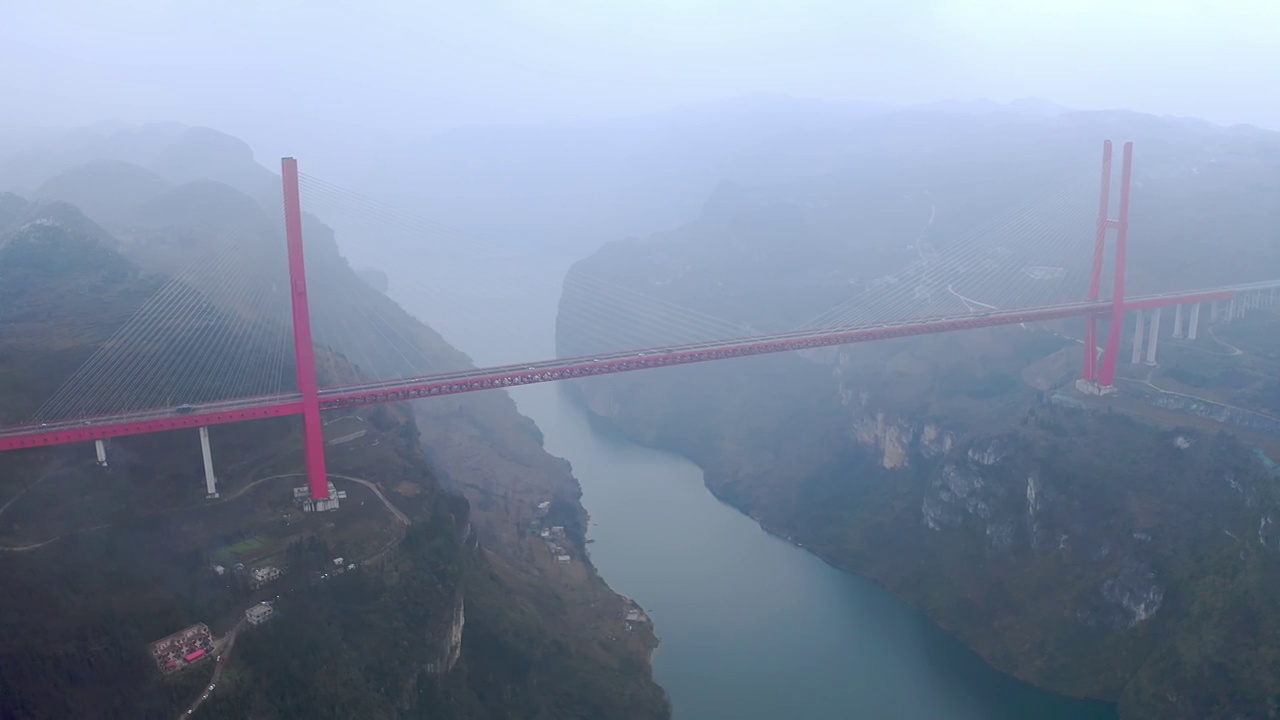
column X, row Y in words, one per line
column 264, row 575
column 563, row 559
column 302, row 497
column 259, row 613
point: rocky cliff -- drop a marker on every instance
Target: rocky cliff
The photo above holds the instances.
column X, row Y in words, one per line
column 439, row 620
column 1080, row 550
column 1092, row 548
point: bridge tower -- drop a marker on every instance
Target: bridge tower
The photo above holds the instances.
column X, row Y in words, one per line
column 1099, row 380
column 303, row 350
column 206, row 454
column 1090, row 372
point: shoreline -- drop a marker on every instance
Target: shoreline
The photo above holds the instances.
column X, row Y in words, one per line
column 604, row 425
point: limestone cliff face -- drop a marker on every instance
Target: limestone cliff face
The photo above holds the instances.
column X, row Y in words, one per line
column 894, row 439
column 981, row 491
column 450, row 641
column 1081, row 551
column 889, row 439
column 891, row 436
column 1078, row 550
column 987, row 493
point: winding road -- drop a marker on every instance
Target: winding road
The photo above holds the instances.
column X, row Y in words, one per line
column 181, row 508
column 1198, row 398
column 395, row 511
column 224, row 654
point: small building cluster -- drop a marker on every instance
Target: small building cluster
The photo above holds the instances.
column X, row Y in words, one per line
column 302, row 498
column 259, row 613
column 552, row 536
column 633, row 614
column 182, row 648
column 339, row 566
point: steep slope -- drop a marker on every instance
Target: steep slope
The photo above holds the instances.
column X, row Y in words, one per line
column 435, row 624
column 1069, row 545
column 11, row 208
column 57, row 269
column 105, row 190
column 199, row 153
column 175, row 152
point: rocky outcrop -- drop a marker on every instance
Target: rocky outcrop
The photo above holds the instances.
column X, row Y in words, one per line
column 1134, row 593
column 891, row 440
column 1073, row 548
column 450, row 643
column 1069, row 547
column 987, row 493
column 1237, row 417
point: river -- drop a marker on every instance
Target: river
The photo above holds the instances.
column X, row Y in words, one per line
column 750, row 625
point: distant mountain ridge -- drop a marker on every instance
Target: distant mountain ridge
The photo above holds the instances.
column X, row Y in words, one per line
column 174, row 152
column 1070, row 545
column 131, row 556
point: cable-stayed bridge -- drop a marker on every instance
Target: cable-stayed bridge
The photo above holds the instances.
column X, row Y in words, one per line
column 231, row 337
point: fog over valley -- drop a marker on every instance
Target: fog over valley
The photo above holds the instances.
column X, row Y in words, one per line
column 690, row 359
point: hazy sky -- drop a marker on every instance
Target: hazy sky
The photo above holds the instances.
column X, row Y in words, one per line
column 272, row 70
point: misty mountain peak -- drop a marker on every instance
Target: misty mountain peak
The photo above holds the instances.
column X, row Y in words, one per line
column 54, row 244
column 66, row 218
column 727, row 197
column 199, row 203
column 11, row 208
column 105, row 190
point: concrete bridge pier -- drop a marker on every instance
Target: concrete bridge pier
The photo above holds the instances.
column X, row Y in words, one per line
column 210, row 482
column 101, row 448
column 1194, row 323
column 1137, row 339
column 1153, row 337
column 1177, row 321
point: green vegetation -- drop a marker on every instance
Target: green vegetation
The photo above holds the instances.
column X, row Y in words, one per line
column 244, row 547
column 1086, row 552
column 129, row 548
column 1043, row 588
column 354, row 644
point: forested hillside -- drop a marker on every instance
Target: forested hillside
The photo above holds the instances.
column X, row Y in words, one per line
column 1102, row 549
column 434, row 620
